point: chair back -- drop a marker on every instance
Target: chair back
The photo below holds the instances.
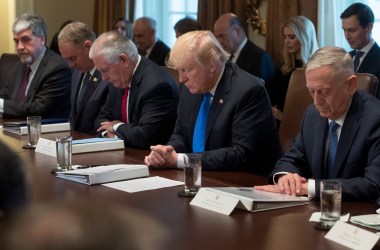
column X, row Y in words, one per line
column 174, row 73
column 7, row 61
column 298, row 99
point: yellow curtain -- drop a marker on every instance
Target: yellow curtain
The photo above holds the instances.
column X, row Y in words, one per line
column 278, row 11
column 106, row 12
column 210, row 10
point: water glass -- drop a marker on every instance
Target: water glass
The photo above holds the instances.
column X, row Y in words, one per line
column 331, row 200
column 34, row 130
column 64, row 153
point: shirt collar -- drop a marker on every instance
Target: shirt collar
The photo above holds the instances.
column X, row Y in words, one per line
column 367, row 48
column 36, row 63
column 134, row 70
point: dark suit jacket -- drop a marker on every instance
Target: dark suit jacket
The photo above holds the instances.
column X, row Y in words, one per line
column 49, row 92
column 153, row 100
column 370, row 63
column 357, row 162
column 256, row 61
column 82, row 118
column 241, row 132
column 159, row 53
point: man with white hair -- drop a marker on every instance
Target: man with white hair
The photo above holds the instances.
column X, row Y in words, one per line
column 142, row 103
column 145, row 37
column 39, row 84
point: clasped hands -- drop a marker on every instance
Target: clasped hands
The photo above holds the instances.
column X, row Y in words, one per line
column 161, row 156
column 292, row 184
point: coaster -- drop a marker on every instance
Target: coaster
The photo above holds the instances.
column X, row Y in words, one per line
column 321, row 226
column 185, row 194
column 27, row 146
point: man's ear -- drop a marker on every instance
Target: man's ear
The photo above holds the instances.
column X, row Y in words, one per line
column 124, row 59
column 352, row 84
column 87, row 44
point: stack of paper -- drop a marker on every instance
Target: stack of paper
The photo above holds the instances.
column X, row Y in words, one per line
column 103, row 174
column 48, row 125
column 96, row 144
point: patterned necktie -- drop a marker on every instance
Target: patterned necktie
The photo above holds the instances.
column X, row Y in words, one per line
column 124, row 103
column 199, row 136
column 23, row 85
column 83, row 88
column 333, row 143
column 358, row 55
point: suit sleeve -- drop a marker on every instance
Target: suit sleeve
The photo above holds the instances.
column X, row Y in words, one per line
column 52, row 90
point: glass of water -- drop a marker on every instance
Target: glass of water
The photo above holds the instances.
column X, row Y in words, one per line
column 331, row 200
column 64, row 153
column 192, row 174
column 34, row 130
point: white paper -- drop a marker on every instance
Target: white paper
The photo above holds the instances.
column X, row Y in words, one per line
column 351, row 236
column 137, row 185
column 223, row 204
column 316, row 217
column 47, row 147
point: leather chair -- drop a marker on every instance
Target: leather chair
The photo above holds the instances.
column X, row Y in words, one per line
column 7, row 61
column 298, row 98
column 174, row 73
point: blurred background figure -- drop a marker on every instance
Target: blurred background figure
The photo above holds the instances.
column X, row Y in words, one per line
column 229, row 29
column 185, row 25
column 54, row 40
column 82, row 224
column 13, row 184
column 124, row 27
column 145, row 38
column 300, row 43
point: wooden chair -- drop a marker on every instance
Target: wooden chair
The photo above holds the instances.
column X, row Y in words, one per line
column 298, row 98
column 6, row 64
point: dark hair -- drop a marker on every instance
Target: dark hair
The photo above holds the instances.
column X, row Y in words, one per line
column 187, row 24
column 362, row 11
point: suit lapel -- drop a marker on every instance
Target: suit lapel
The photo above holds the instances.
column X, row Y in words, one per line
column 94, row 82
column 220, row 98
column 135, row 85
column 38, row 75
column 348, row 133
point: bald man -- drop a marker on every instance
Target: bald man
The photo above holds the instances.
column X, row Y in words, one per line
column 229, row 30
column 145, row 37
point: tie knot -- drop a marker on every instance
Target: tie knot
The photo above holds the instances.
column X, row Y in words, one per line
column 359, row 54
column 333, row 126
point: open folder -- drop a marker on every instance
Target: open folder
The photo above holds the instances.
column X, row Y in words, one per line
column 254, row 200
column 104, row 174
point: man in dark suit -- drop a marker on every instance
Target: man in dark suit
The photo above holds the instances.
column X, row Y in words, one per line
column 145, row 37
column 141, row 105
column 229, row 30
column 239, row 132
column 88, row 91
column 40, row 81
column 350, row 152
column 357, row 23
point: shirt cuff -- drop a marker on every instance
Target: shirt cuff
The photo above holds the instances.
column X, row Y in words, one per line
column 311, row 188
column 180, row 160
column 277, row 174
column 104, row 134
column 115, row 126
column 1, row 106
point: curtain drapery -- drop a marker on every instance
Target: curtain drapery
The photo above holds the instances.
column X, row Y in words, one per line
column 278, row 11
column 210, row 10
column 106, row 12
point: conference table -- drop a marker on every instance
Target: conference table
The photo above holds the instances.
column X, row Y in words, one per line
column 187, row 226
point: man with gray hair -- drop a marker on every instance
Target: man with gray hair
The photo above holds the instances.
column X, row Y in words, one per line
column 339, row 136
column 88, row 91
column 145, row 37
column 39, row 84
column 142, row 103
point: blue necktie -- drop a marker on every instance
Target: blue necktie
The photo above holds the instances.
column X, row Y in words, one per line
column 199, row 136
column 333, row 143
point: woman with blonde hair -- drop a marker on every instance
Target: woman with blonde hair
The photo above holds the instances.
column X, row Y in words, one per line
column 300, row 43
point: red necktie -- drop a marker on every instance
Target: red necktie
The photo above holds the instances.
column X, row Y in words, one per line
column 23, row 84
column 124, row 103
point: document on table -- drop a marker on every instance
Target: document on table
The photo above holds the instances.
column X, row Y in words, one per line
column 149, row 183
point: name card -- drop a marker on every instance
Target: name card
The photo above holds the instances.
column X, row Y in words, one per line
column 216, row 202
column 47, row 147
column 351, row 236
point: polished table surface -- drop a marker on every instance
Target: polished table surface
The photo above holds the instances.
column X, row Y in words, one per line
column 188, row 227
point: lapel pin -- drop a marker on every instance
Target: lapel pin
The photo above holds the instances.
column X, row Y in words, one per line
column 221, row 101
column 95, row 79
